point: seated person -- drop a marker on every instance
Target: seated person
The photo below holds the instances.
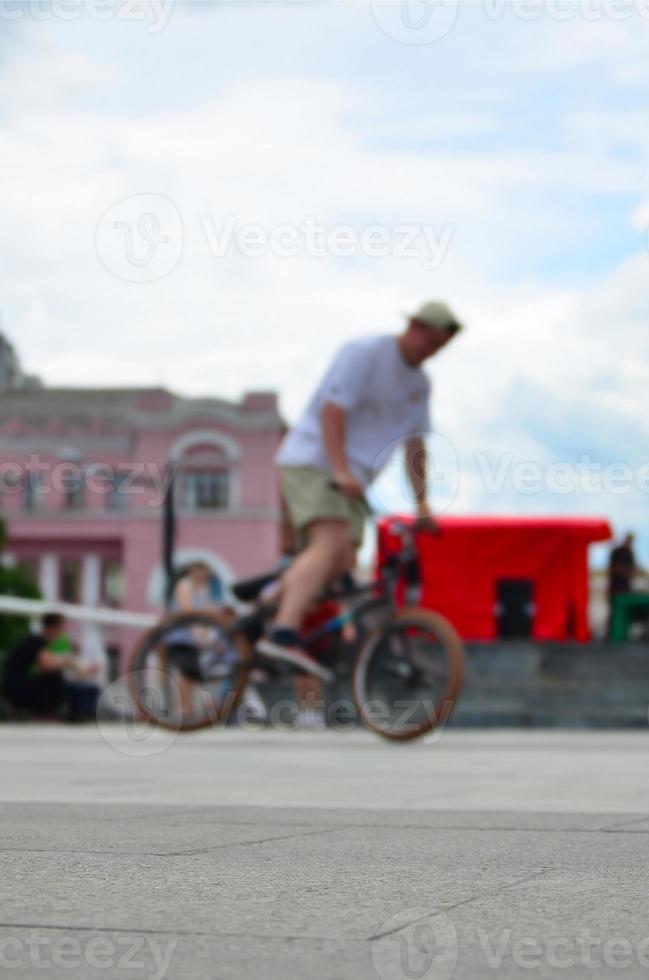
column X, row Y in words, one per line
column 33, row 675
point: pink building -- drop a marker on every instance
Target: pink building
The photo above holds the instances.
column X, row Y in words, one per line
column 83, row 474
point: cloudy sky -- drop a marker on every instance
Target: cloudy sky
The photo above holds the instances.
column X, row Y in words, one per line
column 214, row 196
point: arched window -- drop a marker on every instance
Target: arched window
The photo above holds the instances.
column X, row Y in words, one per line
column 206, row 463
column 205, row 479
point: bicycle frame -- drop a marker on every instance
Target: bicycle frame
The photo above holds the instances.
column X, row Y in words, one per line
column 403, row 566
column 373, row 610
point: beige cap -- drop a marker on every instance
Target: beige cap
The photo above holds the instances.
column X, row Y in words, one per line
column 436, row 314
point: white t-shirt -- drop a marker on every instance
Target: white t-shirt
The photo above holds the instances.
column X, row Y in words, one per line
column 386, row 400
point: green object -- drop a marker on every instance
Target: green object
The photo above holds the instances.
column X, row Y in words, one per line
column 626, row 606
column 61, row 646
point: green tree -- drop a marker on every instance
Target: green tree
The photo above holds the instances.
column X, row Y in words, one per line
column 13, row 581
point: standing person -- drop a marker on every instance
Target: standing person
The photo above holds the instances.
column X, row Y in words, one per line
column 33, row 675
column 198, row 590
column 374, row 396
column 622, row 566
column 621, row 571
column 193, row 591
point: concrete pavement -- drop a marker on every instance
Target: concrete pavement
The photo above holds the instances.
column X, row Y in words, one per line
column 322, row 855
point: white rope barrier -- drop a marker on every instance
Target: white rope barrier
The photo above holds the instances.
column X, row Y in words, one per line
column 84, row 614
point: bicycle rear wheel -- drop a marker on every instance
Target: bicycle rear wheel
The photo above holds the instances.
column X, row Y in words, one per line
column 189, row 672
column 408, row 675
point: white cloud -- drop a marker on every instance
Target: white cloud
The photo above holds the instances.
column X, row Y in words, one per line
column 275, row 149
column 42, row 82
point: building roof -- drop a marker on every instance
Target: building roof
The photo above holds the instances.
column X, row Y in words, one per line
column 144, row 406
column 24, row 400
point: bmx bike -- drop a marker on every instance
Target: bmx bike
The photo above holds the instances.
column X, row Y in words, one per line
column 406, row 664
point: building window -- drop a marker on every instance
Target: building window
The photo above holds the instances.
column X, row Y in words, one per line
column 117, row 498
column 113, row 583
column 206, row 491
column 70, row 581
column 34, row 492
column 73, row 490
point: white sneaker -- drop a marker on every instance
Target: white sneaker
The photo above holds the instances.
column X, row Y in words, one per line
column 295, row 657
column 311, row 719
column 252, row 704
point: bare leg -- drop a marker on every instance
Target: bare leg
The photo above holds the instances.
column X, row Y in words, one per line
column 308, row 692
column 327, row 554
column 186, row 690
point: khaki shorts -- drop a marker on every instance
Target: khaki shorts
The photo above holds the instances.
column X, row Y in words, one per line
column 309, row 498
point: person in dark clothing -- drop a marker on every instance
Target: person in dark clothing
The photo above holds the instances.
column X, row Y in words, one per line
column 621, row 571
column 622, row 567
column 33, row 674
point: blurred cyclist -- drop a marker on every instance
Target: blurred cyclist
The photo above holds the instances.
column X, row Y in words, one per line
column 373, row 396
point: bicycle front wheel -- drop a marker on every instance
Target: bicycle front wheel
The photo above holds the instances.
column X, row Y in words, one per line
column 408, row 675
column 189, row 672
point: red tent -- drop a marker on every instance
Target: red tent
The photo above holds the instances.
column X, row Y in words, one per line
column 467, row 568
